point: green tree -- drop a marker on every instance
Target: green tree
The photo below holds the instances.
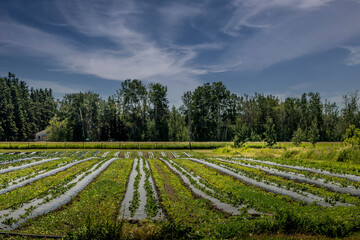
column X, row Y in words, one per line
column 159, row 111
column 270, row 132
column 82, row 113
column 133, row 99
column 352, row 136
column 241, row 136
column 57, row 130
column 18, row 104
column 332, row 122
column 351, row 108
column 298, row 137
column 8, row 129
column 177, row 126
column 109, row 123
column 187, row 100
column 313, row 135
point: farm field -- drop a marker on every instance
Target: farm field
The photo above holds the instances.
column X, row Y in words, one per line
column 136, row 194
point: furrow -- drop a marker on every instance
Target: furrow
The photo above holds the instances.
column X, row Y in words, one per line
column 26, row 165
column 293, row 176
column 307, row 197
column 43, row 175
column 159, row 215
column 220, row 205
column 124, row 210
column 62, row 199
column 18, row 160
column 312, row 170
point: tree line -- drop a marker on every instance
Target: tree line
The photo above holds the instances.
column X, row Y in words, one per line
column 140, row 112
column 23, row 111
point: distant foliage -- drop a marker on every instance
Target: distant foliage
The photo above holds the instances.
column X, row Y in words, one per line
column 298, row 136
column 352, row 136
column 270, row 133
column 314, row 134
column 23, row 112
column 57, row 129
column 240, row 137
column 141, row 112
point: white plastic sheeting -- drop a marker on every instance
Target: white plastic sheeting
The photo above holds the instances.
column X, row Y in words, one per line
column 312, row 170
column 105, row 154
column 18, row 160
column 19, row 212
column 302, row 196
column 301, row 178
column 216, row 202
column 11, row 169
column 65, row 198
column 187, row 154
column 140, row 212
column 43, row 175
column 151, row 155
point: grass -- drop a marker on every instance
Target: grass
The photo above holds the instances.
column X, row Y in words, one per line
column 326, row 151
column 111, row 145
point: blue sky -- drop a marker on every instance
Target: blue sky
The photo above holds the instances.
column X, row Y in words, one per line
column 280, row 47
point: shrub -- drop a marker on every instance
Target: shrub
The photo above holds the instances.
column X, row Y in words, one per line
column 298, row 137
column 352, row 136
column 270, row 133
column 349, row 155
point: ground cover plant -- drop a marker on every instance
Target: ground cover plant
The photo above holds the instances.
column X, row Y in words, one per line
column 136, row 194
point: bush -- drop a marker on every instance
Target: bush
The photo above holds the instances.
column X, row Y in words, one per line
column 239, row 141
column 349, row 155
column 352, row 136
column 298, row 137
column 270, row 133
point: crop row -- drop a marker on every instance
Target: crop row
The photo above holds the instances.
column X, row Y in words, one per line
column 332, row 183
column 279, row 185
column 53, row 197
column 140, row 201
column 217, row 197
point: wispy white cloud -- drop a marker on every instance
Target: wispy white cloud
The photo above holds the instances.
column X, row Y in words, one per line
column 354, row 56
column 293, row 29
column 131, row 54
column 261, row 13
column 116, row 40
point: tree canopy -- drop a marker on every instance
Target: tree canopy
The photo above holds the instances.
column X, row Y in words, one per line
column 141, row 112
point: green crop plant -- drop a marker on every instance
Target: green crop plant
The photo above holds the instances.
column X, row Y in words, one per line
column 34, row 189
column 179, row 203
column 151, row 206
column 98, row 203
column 134, row 204
column 9, row 221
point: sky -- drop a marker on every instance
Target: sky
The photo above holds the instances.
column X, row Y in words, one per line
column 279, row 47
